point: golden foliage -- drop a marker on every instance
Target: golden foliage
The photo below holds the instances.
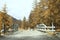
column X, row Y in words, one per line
column 47, row 11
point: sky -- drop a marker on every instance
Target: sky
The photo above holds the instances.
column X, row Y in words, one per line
column 18, row 8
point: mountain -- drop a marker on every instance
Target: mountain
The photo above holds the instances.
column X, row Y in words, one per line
column 8, row 22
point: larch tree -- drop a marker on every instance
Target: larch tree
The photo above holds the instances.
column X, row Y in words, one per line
column 0, row 22
column 34, row 17
column 48, row 11
column 5, row 19
column 51, row 12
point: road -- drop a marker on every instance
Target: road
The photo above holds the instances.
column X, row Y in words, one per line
column 41, row 37
column 28, row 37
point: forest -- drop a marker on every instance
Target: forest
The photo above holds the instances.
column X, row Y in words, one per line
column 45, row 11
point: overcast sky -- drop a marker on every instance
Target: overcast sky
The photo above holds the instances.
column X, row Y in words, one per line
column 17, row 8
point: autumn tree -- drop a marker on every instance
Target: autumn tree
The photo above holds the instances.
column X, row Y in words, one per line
column 34, row 17
column 48, row 11
column 0, row 22
column 51, row 12
column 6, row 20
column 23, row 23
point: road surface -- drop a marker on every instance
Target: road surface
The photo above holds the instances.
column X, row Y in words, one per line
column 28, row 35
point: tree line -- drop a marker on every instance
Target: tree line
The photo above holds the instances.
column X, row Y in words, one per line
column 45, row 11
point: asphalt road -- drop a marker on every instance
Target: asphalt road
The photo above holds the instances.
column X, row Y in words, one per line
column 41, row 37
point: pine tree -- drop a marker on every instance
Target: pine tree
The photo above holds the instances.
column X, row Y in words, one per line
column 23, row 23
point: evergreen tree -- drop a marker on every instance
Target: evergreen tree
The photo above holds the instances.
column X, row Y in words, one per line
column 23, row 24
